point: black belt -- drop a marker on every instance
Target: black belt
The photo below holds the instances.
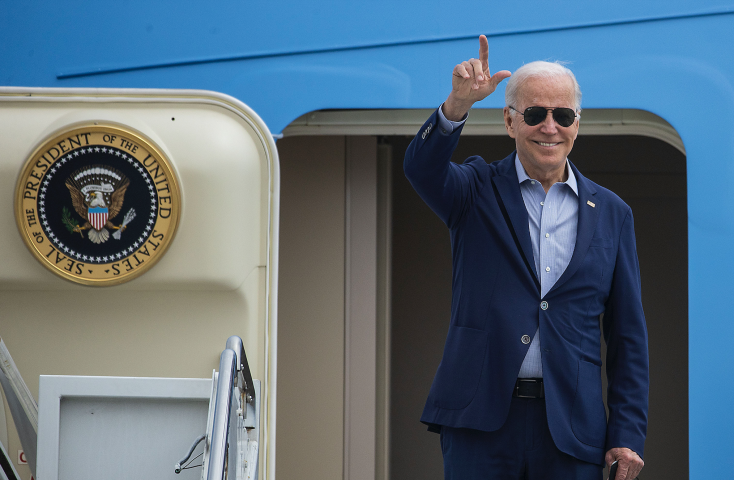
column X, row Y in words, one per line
column 529, row 388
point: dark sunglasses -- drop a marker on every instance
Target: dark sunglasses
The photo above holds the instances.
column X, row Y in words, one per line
column 536, row 115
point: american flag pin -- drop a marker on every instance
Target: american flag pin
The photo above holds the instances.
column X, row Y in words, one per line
column 590, row 203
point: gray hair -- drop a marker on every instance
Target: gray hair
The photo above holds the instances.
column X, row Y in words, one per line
column 540, row 69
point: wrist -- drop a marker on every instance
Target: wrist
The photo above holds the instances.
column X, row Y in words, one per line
column 455, row 110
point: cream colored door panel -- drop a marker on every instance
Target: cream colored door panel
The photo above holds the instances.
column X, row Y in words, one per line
column 218, row 276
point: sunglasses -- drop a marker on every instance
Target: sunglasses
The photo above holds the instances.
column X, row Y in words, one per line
column 536, row 115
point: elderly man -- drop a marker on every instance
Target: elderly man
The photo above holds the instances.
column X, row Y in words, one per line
column 539, row 254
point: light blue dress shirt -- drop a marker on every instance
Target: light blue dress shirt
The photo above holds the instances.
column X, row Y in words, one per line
column 552, row 222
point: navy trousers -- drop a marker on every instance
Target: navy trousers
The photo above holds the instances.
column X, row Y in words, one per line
column 521, row 450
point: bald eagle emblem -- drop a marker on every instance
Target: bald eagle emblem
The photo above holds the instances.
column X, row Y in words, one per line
column 97, row 193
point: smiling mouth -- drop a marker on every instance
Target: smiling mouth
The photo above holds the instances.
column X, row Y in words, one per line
column 545, row 144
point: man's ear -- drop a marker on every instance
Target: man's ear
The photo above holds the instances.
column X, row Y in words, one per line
column 509, row 124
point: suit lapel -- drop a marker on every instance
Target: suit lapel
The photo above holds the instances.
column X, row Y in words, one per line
column 508, row 188
column 588, row 216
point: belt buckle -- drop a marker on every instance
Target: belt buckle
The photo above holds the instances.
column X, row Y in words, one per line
column 517, row 387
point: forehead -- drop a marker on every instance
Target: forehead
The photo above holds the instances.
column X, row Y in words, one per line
column 547, row 92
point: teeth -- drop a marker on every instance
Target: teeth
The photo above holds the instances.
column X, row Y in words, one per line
column 547, row 144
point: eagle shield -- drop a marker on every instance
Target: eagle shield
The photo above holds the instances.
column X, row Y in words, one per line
column 98, row 217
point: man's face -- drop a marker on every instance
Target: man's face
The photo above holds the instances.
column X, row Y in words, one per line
column 543, row 148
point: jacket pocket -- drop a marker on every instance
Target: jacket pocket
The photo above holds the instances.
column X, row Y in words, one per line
column 588, row 418
column 458, row 374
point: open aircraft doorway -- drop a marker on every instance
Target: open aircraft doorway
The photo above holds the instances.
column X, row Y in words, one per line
column 634, row 153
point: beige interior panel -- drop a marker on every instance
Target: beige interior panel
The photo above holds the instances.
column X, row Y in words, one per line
column 216, row 280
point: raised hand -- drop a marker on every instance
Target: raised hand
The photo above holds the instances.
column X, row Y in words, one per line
column 472, row 82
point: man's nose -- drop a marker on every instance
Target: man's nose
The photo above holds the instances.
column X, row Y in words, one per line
column 549, row 124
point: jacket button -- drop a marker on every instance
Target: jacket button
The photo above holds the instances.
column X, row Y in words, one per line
column 544, row 305
column 525, row 339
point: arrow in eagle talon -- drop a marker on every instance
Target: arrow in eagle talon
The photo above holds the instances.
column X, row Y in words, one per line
column 129, row 216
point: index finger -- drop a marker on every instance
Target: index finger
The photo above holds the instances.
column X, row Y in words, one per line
column 484, row 52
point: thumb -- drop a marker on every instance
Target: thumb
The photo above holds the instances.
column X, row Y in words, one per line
column 498, row 77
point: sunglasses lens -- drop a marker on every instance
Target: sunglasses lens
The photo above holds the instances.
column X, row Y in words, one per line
column 564, row 116
column 534, row 115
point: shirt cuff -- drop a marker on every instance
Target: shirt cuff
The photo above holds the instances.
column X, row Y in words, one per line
column 448, row 126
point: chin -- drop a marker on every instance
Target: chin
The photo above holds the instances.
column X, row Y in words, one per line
column 550, row 161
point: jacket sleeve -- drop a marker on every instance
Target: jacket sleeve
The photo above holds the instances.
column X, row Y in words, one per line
column 449, row 189
column 625, row 334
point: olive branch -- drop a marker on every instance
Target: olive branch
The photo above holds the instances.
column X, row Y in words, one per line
column 68, row 222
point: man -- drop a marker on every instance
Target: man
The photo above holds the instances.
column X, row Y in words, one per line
column 539, row 253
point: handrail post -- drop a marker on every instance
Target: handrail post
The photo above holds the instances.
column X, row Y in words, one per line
column 223, row 405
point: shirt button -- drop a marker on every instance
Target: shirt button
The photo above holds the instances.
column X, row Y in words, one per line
column 547, row 235
column 532, row 182
column 525, row 339
column 544, row 305
column 547, row 269
column 542, row 203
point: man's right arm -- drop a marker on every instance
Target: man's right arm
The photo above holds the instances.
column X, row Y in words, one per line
column 446, row 187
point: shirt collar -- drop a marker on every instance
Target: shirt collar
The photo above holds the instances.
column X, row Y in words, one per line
column 571, row 181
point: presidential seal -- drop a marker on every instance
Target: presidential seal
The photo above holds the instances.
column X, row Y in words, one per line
column 97, row 205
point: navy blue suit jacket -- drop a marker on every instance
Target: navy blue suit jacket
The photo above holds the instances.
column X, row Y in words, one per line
column 496, row 300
